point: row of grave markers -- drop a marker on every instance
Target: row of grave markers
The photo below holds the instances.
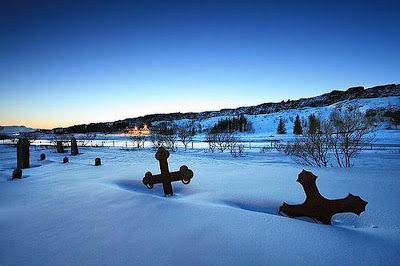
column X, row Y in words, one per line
column 315, row 206
column 23, row 155
column 23, row 151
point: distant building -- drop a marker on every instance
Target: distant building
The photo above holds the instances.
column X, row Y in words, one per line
column 60, row 130
column 135, row 131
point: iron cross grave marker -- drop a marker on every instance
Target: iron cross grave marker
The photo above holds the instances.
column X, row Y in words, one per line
column 319, row 208
column 166, row 177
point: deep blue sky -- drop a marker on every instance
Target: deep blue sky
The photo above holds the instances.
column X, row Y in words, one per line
column 70, row 62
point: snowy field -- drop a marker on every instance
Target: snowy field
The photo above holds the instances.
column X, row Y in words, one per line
column 79, row 214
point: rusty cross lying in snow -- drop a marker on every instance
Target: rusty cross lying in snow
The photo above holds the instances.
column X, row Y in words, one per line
column 319, row 208
column 184, row 174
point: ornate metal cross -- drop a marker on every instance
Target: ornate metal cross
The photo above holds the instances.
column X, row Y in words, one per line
column 319, row 208
column 184, row 174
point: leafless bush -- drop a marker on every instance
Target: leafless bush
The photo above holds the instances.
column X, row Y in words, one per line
column 265, row 149
column 344, row 134
column 237, row 150
column 349, row 133
column 64, row 138
column 171, row 138
column 164, row 140
column 221, row 141
column 97, row 145
column 158, row 140
column 234, row 146
column 311, row 148
column 185, row 135
column 30, row 136
column 88, row 138
column 138, row 140
column 225, row 141
column 211, row 140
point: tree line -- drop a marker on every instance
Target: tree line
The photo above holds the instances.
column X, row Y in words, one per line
column 231, row 125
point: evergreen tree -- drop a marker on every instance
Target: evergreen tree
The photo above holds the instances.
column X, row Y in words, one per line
column 297, row 126
column 234, row 123
column 281, row 127
column 230, row 125
column 313, row 124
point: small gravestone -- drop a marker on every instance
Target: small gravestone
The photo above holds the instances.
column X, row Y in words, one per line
column 65, row 160
column 97, row 162
column 23, row 153
column 17, row 174
column 319, row 208
column 74, row 146
column 184, row 174
column 60, row 147
column 42, row 157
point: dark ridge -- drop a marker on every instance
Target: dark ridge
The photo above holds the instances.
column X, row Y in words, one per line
column 326, row 99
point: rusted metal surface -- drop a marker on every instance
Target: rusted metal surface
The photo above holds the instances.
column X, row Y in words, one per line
column 319, row 208
column 184, row 174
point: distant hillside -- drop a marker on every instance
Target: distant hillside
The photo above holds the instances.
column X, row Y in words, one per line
column 9, row 130
column 266, row 108
column 326, row 99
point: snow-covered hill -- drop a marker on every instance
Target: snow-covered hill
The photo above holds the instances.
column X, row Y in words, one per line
column 327, row 99
column 266, row 124
column 9, row 130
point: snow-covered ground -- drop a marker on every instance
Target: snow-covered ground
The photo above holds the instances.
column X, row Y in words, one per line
column 79, row 214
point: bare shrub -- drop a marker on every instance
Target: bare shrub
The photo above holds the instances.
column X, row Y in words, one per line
column 158, row 140
column 265, row 149
column 64, row 138
column 138, row 140
column 237, row 150
column 211, row 141
column 30, row 136
column 223, row 141
column 311, row 148
column 185, row 135
column 166, row 139
column 349, row 134
column 88, row 138
column 170, row 138
column 344, row 134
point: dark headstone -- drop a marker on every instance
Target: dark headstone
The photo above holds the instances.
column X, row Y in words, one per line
column 184, row 174
column 23, row 153
column 65, row 160
column 60, row 147
column 42, row 157
column 74, row 147
column 17, row 174
column 319, row 208
column 97, row 161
